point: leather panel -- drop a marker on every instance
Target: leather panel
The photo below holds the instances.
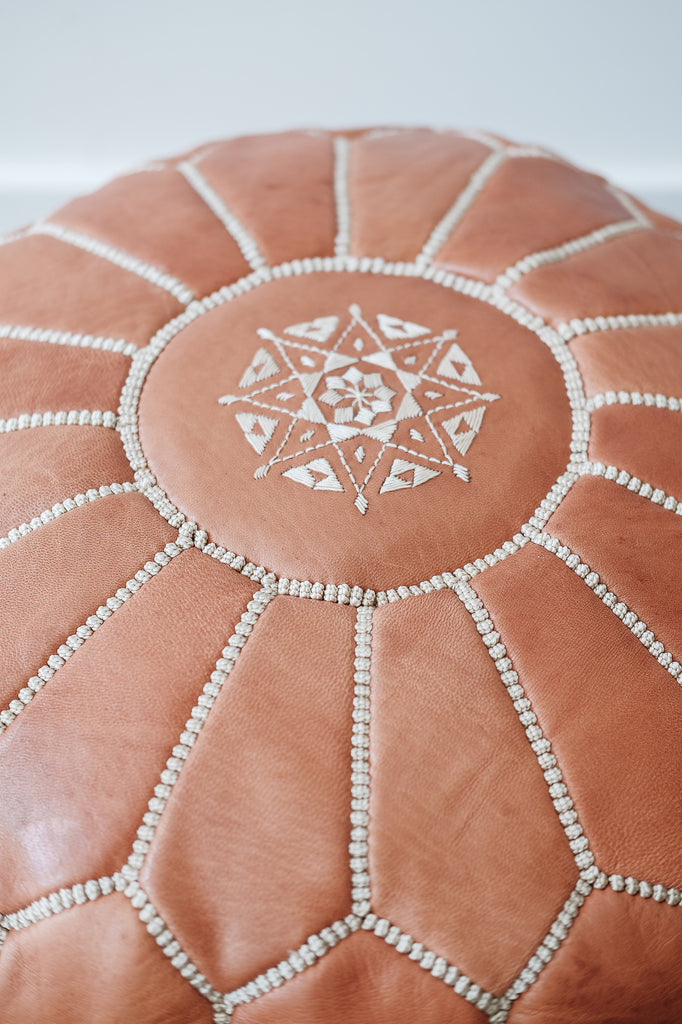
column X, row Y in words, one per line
column 74, row 788
column 530, row 204
column 461, row 822
column 159, row 217
column 44, row 465
column 619, row 965
column 401, row 186
column 642, row 359
column 361, row 980
column 635, row 273
column 627, row 539
column 251, row 856
column 51, row 284
column 281, row 189
column 640, row 439
column 58, row 377
column 94, row 962
column 604, row 704
column 54, row 578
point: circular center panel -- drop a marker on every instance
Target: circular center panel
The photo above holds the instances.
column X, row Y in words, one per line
column 356, row 428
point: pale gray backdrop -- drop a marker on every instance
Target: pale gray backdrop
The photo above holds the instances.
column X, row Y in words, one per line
column 89, row 87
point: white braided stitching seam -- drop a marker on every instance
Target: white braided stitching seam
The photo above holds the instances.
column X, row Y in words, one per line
column 360, row 778
column 198, row 715
column 72, row 418
column 85, row 631
column 632, row 483
column 118, row 257
column 629, row 618
column 645, row 398
column 246, row 243
column 25, row 333
column 592, row 325
column 67, row 505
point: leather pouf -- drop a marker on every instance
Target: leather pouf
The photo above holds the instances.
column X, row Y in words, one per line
column 340, row 592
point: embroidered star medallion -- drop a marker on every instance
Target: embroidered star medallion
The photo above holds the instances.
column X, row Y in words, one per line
column 322, row 401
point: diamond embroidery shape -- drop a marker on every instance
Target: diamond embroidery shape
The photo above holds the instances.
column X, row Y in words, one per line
column 353, row 392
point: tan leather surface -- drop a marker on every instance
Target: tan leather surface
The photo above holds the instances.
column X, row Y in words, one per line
column 630, row 438
column 45, row 590
column 531, row 203
column 361, row 981
column 607, row 707
column 46, row 283
column 639, row 938
column 433, row 876
column 64, row 461
column 640, row 359
column 251, row 855
column 629, row 543
column 96, row 777
column 636, row 273
column 424, row 165
column 59, row 377
column 95, row 964
column 321, row 536
column 282, row 187
column 157, row 215
column 247, row 761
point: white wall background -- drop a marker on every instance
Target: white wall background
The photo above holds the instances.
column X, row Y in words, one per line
column 89, row 87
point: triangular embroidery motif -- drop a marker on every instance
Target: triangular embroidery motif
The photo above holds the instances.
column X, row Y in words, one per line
column 392, row 327
column 395, row 481
column 257, row 429
column 457, row 365
column 260, row 368
column 462, row 439
column 318, row 475
column 319, row 330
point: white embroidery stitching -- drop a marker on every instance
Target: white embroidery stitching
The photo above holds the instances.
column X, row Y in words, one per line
column 632, row 483
column 73, row 418
column 118, row 257
column 126, row 348
column 67, row 505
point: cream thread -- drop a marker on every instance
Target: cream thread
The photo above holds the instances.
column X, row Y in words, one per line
column 632, row 483
column 72, row 418
column 557, row 933
column 591, row 325
column 343, row 214
column 23, row 333
column 634, row 887
column 247, row 245
column 561, row 252
column 198, row 715
column 629, row 205
column 360, row 778
column 467, row 196
column 645, row 398
column 629, row 618
column 118, row 257
column 61, row 507
column 62, row 899
column 85, row 631
column 541, row 746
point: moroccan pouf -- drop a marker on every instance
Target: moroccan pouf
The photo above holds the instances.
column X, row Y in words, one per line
column 341, row 606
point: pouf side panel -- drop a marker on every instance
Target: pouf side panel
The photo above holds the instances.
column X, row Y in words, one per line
column 44, row 465
column 251, row 855
column 640, row 439
column 631, row 359
column 47, row 972
column 467, row 776
column 605, row 705
column 360, row 980
column 620, row 965
column 79, row 765
column 54, row 578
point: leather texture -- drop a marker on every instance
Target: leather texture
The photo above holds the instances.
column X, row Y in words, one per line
column 339, row 536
